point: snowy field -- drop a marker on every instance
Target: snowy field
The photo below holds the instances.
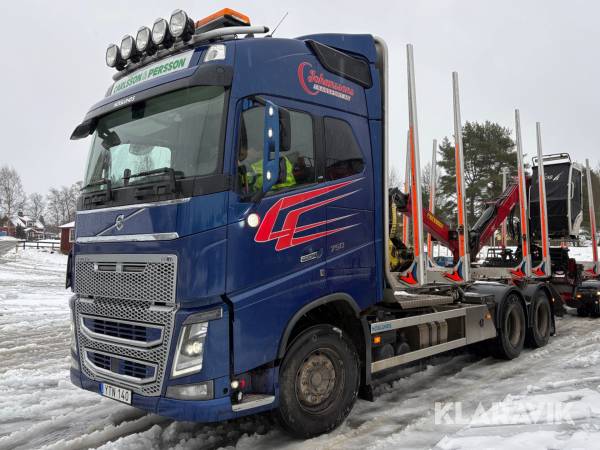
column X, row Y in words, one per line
column 548, row 398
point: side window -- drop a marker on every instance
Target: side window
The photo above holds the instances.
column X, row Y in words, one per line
column 296, row 164
column 342, row 153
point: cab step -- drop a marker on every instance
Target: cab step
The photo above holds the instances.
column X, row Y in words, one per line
column 251, row 401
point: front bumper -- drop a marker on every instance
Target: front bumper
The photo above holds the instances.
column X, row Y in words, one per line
column 204, row 411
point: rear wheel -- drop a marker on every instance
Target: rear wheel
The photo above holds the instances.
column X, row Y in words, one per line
column 541, row 321
column 319, row 380
column 511, row 333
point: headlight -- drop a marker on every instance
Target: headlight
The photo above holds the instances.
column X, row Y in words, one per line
column 143, row 41
column 190, row 349
column 180, row 25
column 113, row 57
column 160, row 33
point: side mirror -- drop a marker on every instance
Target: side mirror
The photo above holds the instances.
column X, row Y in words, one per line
column 84, row 129
column 271, row 147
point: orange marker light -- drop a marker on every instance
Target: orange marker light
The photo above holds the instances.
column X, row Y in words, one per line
column 376, row 340
column 224, row 13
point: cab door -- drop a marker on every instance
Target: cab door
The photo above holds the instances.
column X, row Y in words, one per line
column 276, row 252
column 350, row 220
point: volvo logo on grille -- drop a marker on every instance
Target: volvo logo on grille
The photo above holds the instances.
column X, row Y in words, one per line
column 119, row 222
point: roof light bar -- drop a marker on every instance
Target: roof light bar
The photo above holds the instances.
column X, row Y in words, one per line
column 177, row 33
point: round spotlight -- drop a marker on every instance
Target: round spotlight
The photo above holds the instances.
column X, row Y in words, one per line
column 143, row 41
column 161, row 34
column 113, row 57
column 128, row 49
column 180, row 25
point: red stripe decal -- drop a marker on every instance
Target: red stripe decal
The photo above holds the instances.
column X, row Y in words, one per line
column 286, row 237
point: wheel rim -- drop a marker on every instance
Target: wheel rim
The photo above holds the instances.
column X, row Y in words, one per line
column 318, row 377
column 513, row 327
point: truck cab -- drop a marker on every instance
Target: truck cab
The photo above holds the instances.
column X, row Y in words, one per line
column 201, row 241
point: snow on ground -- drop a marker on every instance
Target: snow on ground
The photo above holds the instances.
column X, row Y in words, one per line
column 547, row 398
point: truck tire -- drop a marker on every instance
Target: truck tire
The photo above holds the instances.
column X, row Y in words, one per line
column 582, row 312
column 512, row 329
column 319, row 379
column 541, row 321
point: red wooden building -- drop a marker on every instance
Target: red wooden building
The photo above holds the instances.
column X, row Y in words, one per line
column 67, row 237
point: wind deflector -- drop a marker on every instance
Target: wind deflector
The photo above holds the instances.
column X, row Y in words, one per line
column 342, row 64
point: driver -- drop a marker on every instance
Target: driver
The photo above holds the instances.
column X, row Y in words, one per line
column 250, row 173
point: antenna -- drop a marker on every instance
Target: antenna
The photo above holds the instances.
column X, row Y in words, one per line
column 280, row 22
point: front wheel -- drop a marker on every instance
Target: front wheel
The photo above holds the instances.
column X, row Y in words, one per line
column 511, row 333
column 318, row 382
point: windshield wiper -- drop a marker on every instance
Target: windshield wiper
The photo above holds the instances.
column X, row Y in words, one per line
column 99, row 182
column 162, row 170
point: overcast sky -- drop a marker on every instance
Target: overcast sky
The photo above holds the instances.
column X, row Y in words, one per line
column 538, row 56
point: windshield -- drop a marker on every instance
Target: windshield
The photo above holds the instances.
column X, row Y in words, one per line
column 178, row 132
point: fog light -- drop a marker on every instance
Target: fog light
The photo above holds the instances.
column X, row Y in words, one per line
column 160, row 33
column 180, row 25
column 200, row 391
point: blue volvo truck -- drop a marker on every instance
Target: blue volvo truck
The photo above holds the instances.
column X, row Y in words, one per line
column 232, row 234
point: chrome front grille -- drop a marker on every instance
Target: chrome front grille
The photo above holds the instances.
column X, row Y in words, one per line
column 124, row 318
column 132, row 277
column 120, row 368
column 131, row 311
column 121, row 331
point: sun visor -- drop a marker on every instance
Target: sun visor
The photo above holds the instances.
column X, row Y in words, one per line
column 209, row 74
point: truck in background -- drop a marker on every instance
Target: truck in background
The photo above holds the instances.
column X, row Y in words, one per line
column 232, row 236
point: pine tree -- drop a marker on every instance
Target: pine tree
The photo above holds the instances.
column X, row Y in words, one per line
column 487, row 149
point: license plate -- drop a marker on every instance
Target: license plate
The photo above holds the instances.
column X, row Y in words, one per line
column 116, row 393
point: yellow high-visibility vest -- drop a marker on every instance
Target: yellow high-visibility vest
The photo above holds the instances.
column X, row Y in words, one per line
column 257, row 168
